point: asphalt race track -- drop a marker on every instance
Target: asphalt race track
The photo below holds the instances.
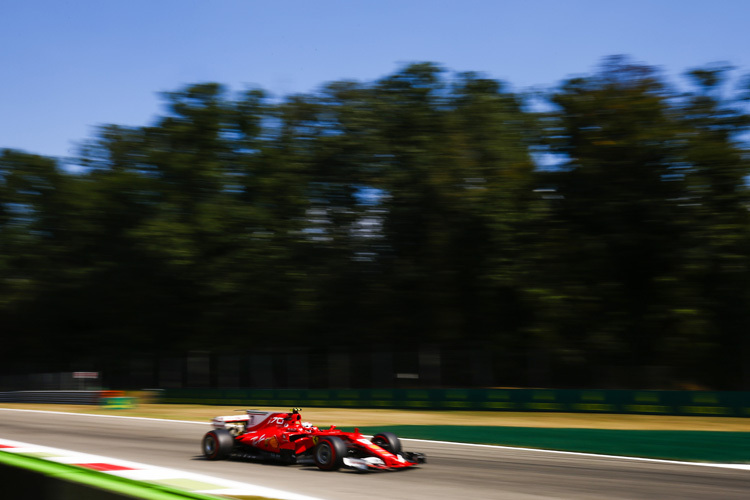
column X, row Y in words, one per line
column 452, row 471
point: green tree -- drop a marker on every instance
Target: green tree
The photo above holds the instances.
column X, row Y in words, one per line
column 717, row 231
column 620, row 139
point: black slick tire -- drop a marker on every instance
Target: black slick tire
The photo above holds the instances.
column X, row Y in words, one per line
column 329, row 453
column 388, row 441
column 217, row 444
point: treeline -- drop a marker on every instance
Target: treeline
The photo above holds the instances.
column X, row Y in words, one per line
column 595, row 229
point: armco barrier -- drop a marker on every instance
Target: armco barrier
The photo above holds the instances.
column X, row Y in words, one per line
column 58, row 397
column 25, row 477
column 706, row 403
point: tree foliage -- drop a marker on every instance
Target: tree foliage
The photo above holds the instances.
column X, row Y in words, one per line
column 399, row 213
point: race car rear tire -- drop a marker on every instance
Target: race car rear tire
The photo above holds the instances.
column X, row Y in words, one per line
column 217, row 444
column 388, row 441
column 329, row 453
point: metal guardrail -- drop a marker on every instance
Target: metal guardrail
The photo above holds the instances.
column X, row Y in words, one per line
column 57, row 397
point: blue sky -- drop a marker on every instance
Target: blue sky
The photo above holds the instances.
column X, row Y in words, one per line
column 67, row 67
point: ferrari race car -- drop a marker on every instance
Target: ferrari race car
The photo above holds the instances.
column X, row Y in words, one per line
column 284, row 438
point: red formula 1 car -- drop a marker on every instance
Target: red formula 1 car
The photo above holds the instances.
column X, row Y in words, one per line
column 285, row 438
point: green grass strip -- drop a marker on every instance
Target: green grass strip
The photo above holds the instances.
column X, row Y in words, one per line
column 98, row 480
column 698, row 446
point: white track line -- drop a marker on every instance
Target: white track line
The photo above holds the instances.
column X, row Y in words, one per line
column 501, row 447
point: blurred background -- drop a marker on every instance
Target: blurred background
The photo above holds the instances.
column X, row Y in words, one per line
column 426, row 228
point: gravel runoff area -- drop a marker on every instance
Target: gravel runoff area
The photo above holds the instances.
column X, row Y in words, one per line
column 347, row 417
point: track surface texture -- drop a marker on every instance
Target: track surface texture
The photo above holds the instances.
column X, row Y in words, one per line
column 452, row 471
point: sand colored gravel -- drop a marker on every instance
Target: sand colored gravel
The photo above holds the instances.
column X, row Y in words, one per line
column 324, row 417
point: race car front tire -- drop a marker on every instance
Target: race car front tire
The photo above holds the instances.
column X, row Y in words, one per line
column 217, row 444
column 388, row 441
column 329, row 453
